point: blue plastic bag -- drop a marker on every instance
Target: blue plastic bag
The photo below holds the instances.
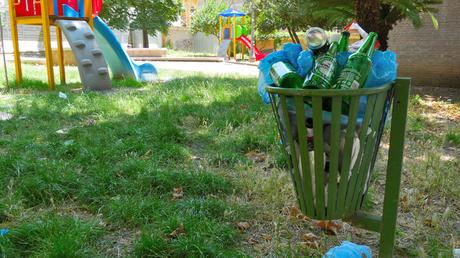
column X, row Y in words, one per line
column 305, row 62
column 261, row 85
column 292, row 52
column 349, row 250
column 268, row 61
column 4, row 231
column 342, row 58
column 384, row 69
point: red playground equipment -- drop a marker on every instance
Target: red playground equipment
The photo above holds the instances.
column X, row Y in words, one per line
column 230, row 32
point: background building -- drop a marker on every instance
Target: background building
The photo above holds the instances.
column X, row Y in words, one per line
column 431, row 57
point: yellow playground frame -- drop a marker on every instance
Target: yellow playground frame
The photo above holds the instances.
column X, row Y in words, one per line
column 46, row 21
column 231, row 25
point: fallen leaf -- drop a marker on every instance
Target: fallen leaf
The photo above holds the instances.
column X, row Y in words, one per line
column 252, row 241
column 330, row 226
column 404, row 204
column 180, row 230
column 267, row 237
column 296, row 213
column 243, row 225
column 310, row 237
column 178, row 193
column 310, row 244
column 256, row 157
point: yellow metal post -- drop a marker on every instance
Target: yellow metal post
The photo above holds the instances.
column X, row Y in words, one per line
column 15, row 39
column 220, row 29
column 242, row 45
column 234, row 37
column 89, row 12
column 47, row 43
column 60, row 55
column 230, row 35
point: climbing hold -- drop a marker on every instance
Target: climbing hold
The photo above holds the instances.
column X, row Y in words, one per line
column 102, row 71
column 96, row 52
column 71, row 27
column 89, row 35
column 80, row 43
column 86, row 62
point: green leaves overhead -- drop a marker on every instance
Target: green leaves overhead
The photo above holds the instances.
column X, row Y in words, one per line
column 206, row 18
column 149, row 15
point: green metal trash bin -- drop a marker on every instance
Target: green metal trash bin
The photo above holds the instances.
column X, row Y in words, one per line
column 332, row 138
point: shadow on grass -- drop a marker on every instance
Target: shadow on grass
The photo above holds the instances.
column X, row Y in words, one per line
column 123, row 155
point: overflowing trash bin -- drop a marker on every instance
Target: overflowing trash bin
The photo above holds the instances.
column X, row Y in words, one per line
column 331, row 103
column 331, row 154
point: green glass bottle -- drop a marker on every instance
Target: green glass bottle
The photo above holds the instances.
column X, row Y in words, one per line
column 322, row 76
column 355, row 72
column 285, row 76
column 343, row 42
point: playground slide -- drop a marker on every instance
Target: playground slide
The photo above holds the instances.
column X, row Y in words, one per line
column 93, row 69
column 222, row 52
column 247, row 43
column 118, row 60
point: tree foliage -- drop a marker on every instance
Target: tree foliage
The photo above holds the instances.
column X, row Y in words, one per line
column 206, row 18
column 290, row 15
column 373, row 15
column 146, row 15
column 379, row 15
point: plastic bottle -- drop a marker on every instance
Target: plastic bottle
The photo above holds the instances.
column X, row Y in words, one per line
column 322, row 76
column 285, row 76
column 355, row 72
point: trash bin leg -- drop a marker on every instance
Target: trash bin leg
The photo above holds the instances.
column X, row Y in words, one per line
column 394, row 167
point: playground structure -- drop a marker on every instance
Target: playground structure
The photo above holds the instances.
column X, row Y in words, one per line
column 93, row 43
column 231, row 32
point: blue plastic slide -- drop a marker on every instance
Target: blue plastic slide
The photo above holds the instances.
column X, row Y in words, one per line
column 120, row 64
column 118, row 60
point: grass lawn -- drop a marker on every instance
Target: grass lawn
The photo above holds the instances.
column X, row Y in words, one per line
column 192, row 168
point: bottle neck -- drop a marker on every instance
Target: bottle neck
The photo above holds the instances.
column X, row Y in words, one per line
column 368, row 46
column 333, row 49
column 343, row 42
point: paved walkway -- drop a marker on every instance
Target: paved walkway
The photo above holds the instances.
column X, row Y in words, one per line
column 209, row 67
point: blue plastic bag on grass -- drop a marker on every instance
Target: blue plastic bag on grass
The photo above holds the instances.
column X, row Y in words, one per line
column 4, row 231
column 349, row 250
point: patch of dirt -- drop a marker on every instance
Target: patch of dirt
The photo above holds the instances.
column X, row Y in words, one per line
column 118, row 243
column 440, row 93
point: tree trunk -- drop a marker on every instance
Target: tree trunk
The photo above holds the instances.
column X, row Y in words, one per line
column 369, row 16
column 290, row 34
column 294, row 33
column 145, row 38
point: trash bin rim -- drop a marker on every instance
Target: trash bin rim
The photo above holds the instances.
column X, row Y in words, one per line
column 328, row 92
